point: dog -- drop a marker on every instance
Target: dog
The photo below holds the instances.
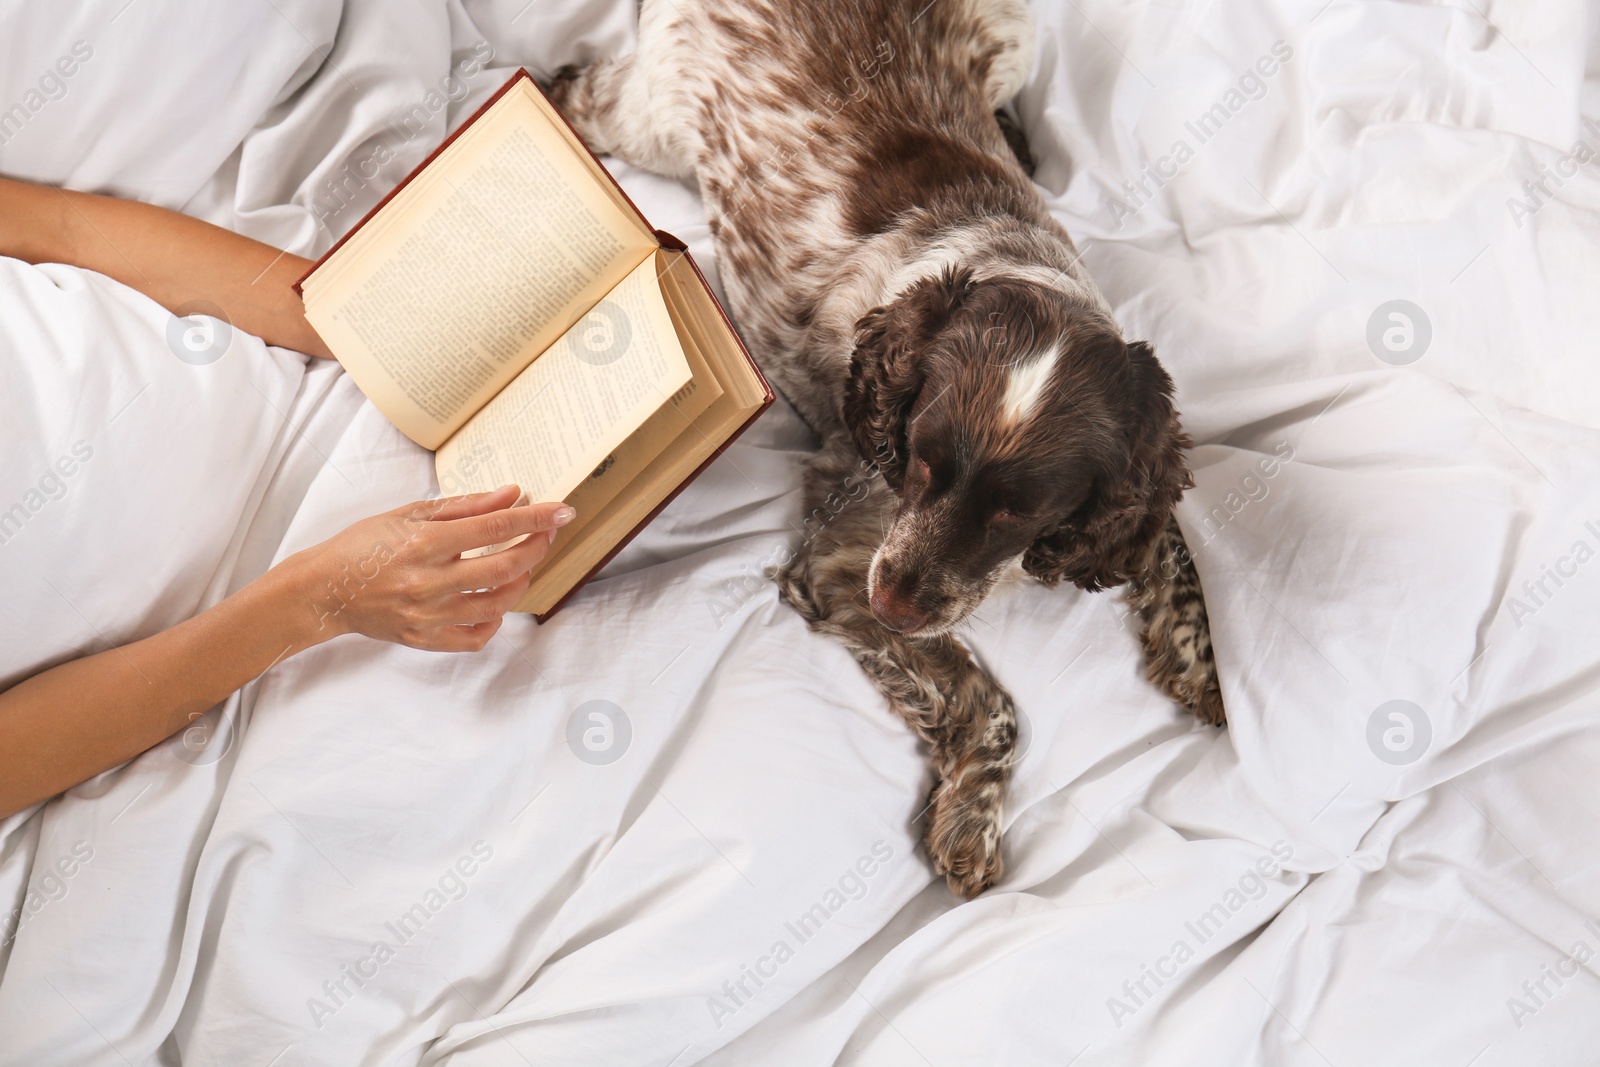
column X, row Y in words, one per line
column 898, row 275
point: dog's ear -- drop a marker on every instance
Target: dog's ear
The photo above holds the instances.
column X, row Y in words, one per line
column 1104, row 542
column 886, row 372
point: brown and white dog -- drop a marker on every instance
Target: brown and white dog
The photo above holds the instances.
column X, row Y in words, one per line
column 899, row 277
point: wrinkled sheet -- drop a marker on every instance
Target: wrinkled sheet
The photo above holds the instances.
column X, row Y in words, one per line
column 673, row 827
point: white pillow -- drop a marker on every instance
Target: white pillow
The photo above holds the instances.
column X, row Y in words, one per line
column 133, row 444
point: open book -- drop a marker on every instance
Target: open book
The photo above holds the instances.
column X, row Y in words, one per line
column 507, row 306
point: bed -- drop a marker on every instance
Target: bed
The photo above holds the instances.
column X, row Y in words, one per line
column 1365, row 240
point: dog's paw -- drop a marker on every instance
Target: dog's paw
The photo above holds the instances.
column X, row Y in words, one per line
column 1180, row 663
column 1177, row 630
column 963, row 835
column 1196, row 689
column 796, row 588
column 558, row 86
column 1207, row 704
column 1188, row 675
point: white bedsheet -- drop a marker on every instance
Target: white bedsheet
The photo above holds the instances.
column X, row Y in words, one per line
column 392, row 857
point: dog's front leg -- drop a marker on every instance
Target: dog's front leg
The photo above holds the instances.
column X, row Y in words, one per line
column 967, row 718
column 1177, row 633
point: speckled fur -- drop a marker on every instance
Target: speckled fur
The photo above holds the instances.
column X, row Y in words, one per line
column 774, row 108
column 755, row 99
column 1177, row 634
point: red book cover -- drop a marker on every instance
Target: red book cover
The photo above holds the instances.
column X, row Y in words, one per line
column 666, row 240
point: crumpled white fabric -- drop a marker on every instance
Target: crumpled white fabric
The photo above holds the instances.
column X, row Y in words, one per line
column 1347, row 886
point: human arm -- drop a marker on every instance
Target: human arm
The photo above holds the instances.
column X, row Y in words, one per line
column 395, row 576
column 171, row 258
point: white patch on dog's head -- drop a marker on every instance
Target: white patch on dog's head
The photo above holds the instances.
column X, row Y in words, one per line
column 1025, row 383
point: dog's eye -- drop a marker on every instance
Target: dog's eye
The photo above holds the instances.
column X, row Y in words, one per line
column 921, row 470
column 1007, row 519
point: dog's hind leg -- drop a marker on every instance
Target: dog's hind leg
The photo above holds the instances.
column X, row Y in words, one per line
column 618, row 110
column 1003, row 49
column 965, row 716
column 1177, row 633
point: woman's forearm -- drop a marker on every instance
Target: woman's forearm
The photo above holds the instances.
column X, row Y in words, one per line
column 170, row 257
column 398, row 576
column 66, row 724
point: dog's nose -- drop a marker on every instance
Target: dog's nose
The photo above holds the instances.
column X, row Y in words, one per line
column 896, row 612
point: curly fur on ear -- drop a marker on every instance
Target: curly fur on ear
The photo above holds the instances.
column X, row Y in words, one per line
column 885, row 373
column 1104, row 543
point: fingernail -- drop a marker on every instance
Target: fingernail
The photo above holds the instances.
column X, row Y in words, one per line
column 549, row 537
column 562, row 515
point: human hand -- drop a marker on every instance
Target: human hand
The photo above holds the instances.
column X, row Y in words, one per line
column 399, row 577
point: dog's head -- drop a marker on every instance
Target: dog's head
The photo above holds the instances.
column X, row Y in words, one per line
column 1016, row 426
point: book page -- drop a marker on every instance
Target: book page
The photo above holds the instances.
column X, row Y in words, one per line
column 616, row 473
column 577, row 402
column 476, row 267
column 618, row 469
column 604, row 520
